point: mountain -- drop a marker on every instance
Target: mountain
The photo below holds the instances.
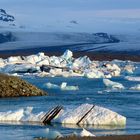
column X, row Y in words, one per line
column 6, row 17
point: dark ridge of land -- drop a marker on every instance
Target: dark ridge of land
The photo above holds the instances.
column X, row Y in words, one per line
column 117, row 137
column 96, row 55
column 11, row 86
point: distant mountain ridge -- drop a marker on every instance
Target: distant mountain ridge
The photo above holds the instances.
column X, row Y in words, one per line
column 6, row 17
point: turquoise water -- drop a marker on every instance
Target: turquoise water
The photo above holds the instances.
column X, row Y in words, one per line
column 125, row 102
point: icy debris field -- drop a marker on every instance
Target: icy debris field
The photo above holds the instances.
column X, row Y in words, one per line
column 65, row 66
column 77, row 84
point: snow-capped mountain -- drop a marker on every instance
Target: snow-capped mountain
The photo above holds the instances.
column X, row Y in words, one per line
column 6, row 17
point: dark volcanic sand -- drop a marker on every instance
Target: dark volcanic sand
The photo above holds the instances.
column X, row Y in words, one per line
column 92, row 55
column 123, row 137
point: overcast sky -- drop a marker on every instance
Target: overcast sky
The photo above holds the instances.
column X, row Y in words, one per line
column 81, row 10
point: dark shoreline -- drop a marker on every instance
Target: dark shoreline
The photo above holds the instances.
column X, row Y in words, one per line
column 116, row 137
column 108, row 56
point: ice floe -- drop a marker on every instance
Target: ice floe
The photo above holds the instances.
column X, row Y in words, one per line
column 65, row 65
column 136, row 87
column 114, row 85
column 63, row 86
column 96, row 116
column 130, row 78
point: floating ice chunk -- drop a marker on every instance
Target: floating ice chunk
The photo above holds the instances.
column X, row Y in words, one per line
column 63, row 86
column 67, row 55
column 94, row 74
column 113, row 69
column 2, row 62
column 96, row 116
column 85, row 133
column 52, row 86
column 14, row 59
column 55, row 72
column 81, row 62
column 110, row 84
column 130, row 78
column 129, row 69
column 44, row 61
column 12, row 116
column 33, row 59
column 22, row 68
column 137, row 87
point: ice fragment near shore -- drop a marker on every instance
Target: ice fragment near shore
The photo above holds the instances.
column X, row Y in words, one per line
column 110, row 84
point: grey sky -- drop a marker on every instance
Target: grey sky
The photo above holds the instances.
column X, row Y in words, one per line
column 85, row 11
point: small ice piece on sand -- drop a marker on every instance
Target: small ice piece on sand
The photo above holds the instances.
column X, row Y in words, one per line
column 110, row 84
column 52, row 134
column 85, row 133
column 137, row 87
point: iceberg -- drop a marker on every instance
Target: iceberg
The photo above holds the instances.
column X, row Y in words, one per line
column 67, row 55
column 137, row 87
column 63, row 86
column 110, row 84
column 52, row 86
column 87, row 114
column 96, row 116
column 85, row 133
column 64, row 65
column 129, row 69
column 21, row 68
column 130, row 78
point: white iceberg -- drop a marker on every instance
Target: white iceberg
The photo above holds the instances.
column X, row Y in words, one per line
column 33, row 59
column 129, row 69
column 63, row 86
column 14, row 60
column 2, row 63
column 130, row 78
column 21, row 68
column 67, row 55
column 85, row 133
column 94, row 74
column 110, row 84
column 96, row 116
column 52, row 86
column 137, row 87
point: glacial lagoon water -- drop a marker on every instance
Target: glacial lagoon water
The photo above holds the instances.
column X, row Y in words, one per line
column 125, row 102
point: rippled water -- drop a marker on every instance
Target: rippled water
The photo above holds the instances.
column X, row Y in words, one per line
column 125, row 102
